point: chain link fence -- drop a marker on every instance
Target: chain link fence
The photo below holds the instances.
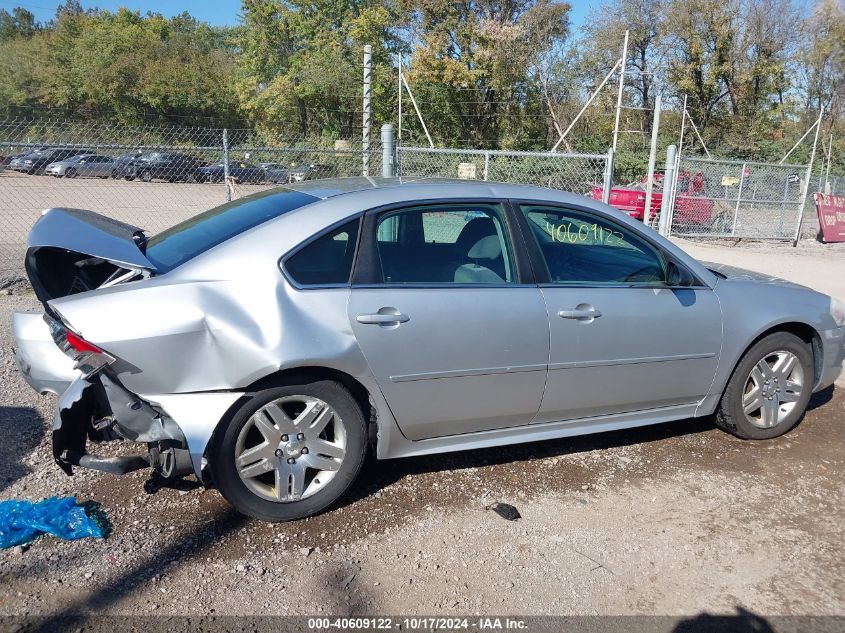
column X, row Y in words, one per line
column 579, row 173
column 152, row 177
column 725, row 198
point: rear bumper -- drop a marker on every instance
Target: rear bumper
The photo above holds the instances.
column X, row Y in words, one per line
column 100, row 409
column 833, row 356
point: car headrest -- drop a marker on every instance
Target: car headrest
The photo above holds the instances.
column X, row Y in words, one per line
column 486, row 248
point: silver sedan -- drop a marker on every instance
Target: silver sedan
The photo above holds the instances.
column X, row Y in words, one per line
column 86, row 165
column 266, row 344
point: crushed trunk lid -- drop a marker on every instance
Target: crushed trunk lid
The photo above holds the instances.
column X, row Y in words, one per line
column 74, row 250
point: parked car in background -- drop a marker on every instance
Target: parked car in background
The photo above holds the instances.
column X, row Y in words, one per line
column 265, row 345
column 239, row 170
column 85, row 165
column 15, row 159
column 692, row 207
column 311, row 171
column 35, row 162
column 169, row 166
column 275, row 173
column 120, row 163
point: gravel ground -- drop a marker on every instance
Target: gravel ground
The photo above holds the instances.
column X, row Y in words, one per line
column 676, row 519
column 812, row 264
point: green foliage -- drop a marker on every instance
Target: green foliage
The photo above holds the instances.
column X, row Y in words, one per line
column 122, row 65
column 485, row 73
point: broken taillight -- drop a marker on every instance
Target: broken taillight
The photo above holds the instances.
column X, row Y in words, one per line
column 80, row 344
column 89, row 358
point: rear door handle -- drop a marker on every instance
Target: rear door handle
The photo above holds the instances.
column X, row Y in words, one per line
column 581, row 312
column 382, row 319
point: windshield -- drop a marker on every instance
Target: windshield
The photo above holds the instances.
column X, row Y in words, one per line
column 178, row 244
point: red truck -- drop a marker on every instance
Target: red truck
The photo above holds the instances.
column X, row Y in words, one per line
column 691, row 209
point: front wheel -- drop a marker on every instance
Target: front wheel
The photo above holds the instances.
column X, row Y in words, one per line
column 145, row 176
column 291, row 451
column 769, row 390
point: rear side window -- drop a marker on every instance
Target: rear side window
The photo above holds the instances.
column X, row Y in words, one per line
column 327, row 260
column 445, row 244
column 194, row 236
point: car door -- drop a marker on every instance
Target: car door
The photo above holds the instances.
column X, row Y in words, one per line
column 448, row 318
column 100, row 166
column 624, row 335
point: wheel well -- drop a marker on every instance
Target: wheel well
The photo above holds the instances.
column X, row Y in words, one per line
column 286, row 376
column 806, row 333
column 300, row 374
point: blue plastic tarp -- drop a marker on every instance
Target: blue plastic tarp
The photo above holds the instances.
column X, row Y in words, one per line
column 23, row 521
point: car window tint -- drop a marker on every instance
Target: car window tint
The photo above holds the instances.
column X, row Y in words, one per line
column 462, row 243
column 186, row 240
column 326, row 260
column 580, row 248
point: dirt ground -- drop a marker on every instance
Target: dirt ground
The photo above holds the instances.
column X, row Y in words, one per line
column 811, row 263
column 678, row 519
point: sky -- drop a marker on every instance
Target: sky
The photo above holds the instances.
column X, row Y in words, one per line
column 216, row 12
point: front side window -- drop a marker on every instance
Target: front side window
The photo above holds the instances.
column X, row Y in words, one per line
column 327, row 260
column 445, row 244
column 583, row 249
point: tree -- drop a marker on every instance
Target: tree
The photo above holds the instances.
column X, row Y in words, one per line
column 18, row 23
column 301, row 63
column 474, row 60
column 822, row 58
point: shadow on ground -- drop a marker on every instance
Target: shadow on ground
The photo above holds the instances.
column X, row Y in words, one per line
column 21, row 430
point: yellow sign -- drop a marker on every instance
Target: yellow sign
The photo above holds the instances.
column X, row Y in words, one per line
column 730, row 181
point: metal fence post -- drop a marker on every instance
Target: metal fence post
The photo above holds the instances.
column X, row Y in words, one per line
column 670, row 181
column 608, row 177
column 226, row 164
column 486, row 164
column 739, row 197
column 388, row 165
column 365, row 140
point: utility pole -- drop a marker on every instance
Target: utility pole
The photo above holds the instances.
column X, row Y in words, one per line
column 652, row 157
column 365, row 140
column 624, row 64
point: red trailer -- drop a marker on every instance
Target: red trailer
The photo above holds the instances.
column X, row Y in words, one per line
column 691, row 208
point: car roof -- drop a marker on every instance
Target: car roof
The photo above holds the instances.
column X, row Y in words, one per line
column 405, row 188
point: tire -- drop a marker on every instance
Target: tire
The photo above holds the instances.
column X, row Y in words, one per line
column 115, row 174
column 783, row 403
column 259, row 496
column 71, row 173
column 145, row 176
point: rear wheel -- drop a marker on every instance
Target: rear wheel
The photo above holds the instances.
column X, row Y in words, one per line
column 769, row 390
column 290, row 451
column 145, row 175
column 71, row 173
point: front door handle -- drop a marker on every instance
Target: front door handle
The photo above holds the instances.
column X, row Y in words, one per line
column 581, row 312
column 382, row 319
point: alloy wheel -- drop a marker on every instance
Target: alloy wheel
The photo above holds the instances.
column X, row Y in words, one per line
column 772, row 389
column 290, row 448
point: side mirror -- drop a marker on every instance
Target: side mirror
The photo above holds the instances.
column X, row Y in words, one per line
column 679, row 276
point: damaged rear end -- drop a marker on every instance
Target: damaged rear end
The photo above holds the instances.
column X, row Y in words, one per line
column 71, row 251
